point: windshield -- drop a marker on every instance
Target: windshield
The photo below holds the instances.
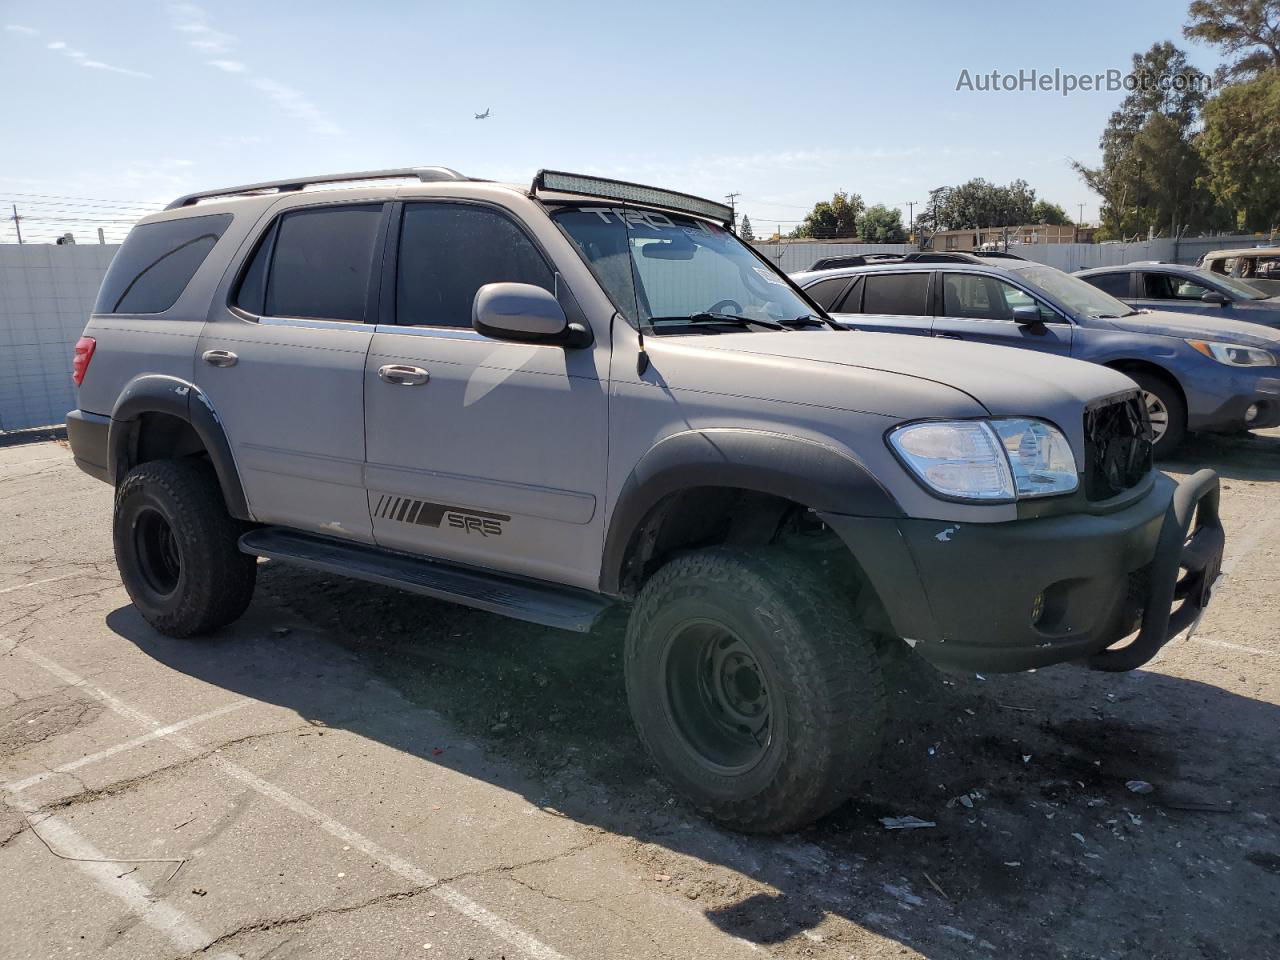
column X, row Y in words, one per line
column 1081, row 298
column 1237, row 288
column 665, row 269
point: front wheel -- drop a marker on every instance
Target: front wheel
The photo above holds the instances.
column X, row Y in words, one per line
column 752, row 689
column 1167, row 411
column 177, row 548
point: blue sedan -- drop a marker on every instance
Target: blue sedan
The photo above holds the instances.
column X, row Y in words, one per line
column 1179, row 289
column 1197, row 372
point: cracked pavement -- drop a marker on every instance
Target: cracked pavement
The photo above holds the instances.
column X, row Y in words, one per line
column 352, row 772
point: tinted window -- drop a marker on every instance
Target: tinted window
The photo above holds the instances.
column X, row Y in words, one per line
column 1116, row 284
column 824, row 292
column 896, row 293
column 448, row 251
column 320, row 263
column 157, row 262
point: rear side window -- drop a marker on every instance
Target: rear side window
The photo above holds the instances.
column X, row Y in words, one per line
column 899, row 294
column 157, row 262
column 315, row 264
column 448, row 251
column 1116, row 284
column 825, row 292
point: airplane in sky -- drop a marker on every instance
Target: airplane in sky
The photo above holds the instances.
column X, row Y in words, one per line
column 483, row 116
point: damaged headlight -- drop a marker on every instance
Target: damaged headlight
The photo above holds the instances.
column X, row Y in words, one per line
column 987, row 461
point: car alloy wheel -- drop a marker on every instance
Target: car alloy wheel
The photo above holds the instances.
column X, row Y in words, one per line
column 1158, row 414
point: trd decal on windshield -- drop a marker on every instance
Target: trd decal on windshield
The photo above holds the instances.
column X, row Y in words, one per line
column 647, row 218
column 409, row 510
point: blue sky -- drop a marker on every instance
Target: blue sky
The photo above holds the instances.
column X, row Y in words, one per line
column 781, row 102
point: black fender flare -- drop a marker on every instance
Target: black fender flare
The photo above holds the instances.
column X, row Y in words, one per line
column 818, row 475
column 160, row 393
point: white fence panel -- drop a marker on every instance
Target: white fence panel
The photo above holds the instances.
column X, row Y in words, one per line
column 791, row 257
column 46, row 293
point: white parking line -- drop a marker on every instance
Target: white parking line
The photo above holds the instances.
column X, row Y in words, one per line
column 523, row 941
column 36, row 583
column 187, row 935
column 1236, row 646
column 18, row 786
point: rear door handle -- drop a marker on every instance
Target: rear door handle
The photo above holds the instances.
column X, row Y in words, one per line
column 403, row 375
column 948, row 336
column 219, row 358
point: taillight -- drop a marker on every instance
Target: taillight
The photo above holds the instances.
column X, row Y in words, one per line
column 80, row 362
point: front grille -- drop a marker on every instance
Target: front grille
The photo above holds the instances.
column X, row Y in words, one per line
column 1117, row 446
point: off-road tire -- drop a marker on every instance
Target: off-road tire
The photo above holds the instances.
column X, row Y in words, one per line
column 1171, row 398
column 202, row 581
column 824, row 686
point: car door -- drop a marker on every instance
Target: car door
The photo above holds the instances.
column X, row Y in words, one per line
column 1169, row 291
column 282, row 363
column 480, row 451
column 979, row 307
column 888, row 302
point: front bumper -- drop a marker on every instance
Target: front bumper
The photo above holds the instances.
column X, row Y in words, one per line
column 1030, row 593
column 1219, row 404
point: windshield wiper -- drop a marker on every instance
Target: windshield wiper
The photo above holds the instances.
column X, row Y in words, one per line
column 719, row 318
column 811, row 320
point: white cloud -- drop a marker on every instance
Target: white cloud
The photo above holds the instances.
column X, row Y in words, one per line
column 99, row 65
column 193, row 22
column 80, row 57
column 296, row 104
column 19, row 28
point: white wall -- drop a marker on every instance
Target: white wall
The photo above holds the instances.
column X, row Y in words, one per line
column 46, row 293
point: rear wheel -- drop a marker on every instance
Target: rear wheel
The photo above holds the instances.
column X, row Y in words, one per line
column 177, row 548
column 752, row 689
column 1167, row 410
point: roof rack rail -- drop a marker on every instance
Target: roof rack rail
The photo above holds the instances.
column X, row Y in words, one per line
column 424, row 174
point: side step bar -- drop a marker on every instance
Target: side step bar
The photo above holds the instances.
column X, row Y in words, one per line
column 566, row 608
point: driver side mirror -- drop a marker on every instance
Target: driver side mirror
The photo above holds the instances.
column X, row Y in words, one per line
column 1027, row 316
column 1213, row 296
column 524, row 313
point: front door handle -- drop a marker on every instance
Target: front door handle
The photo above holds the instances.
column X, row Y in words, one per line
column 403, row 375
column 219, row 358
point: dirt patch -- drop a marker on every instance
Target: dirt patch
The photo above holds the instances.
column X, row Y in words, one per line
column 33, row 721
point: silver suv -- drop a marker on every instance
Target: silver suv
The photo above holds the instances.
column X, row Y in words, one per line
column 544, row 401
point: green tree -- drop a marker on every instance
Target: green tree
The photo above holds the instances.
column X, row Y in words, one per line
column 829, row 219
column 881, row 224
column 1148, row 179
column 1248, row 31
column 747, row 233
column 978, row 203
column 1241, row 147
column 1045, row 212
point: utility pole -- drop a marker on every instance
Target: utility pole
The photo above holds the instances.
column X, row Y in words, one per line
column 733, row 210
column 17, row 222
column 101, row 239
column 911, row 218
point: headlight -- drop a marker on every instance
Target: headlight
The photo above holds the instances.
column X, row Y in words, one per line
column 1234, row 355
column 987, row 461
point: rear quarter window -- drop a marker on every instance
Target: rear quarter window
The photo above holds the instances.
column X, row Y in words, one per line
column 1116, row 284
column 157, row 262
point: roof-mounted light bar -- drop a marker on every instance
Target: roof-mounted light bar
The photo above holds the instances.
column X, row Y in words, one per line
column 423, row 174
column 555, row 181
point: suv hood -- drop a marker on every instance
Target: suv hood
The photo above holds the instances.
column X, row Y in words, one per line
column 1197, row 326
column 1004, row 380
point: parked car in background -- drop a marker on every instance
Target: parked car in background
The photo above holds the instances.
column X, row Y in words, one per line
column 1197, row 373
column 1171, row 286
column 1257, row 266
